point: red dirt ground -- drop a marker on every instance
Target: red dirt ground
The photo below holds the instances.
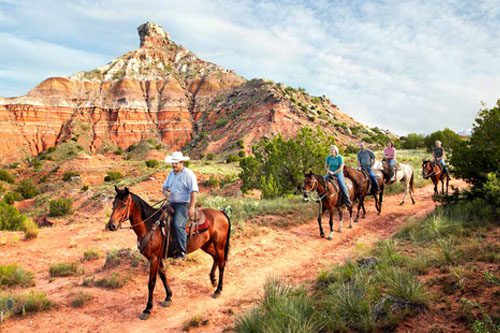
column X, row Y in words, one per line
column 296, row 254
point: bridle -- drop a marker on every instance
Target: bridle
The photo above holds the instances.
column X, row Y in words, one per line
column 433, row 173
column 127, row 213
column 315, row 189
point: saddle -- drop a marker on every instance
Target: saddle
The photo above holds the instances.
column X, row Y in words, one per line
column 335, row 182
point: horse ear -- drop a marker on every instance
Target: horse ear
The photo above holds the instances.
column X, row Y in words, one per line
column 126, row 191
column 117, row 190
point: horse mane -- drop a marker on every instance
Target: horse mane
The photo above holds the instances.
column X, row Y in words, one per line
column 147, row 211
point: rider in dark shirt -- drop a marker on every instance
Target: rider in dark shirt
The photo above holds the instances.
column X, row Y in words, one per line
column 439, row 155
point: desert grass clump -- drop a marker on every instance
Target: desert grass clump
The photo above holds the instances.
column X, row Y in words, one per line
column 10, row 218
column 403, row 285
column 6, row 176
column 90, row 254
column 194, row 322
column 81, row 298
column 447, row 253
column 30, row 229
column 113, row 281
column 282, row 309
column 152, row 163
column 113, row 176
column 11, row 197
column 64, row 269
column 69, row 175
column 60, row 207
column 21, row 304
column 14, row 275
column 116, row 257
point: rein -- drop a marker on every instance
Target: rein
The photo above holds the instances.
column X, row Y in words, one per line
column 143, row 221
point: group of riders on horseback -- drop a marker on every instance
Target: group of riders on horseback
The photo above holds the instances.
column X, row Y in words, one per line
column 334, row 165
column 167, row 231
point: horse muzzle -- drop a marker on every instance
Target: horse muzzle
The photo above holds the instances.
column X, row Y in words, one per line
column 111, row 226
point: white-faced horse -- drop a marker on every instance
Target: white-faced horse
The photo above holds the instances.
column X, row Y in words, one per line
column 404, row 174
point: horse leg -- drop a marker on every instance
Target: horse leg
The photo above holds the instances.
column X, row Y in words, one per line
column 364, row 210
column 442, row 185
column 331, row 224
column 404, row 195
column 447, row 182
column 360, row 203
column 153, row 271
column 321, row 232
column 168, row 291
column 350, row 217
column 221, row 261
column 341, row 221
column 210, row 249
column 380, row 199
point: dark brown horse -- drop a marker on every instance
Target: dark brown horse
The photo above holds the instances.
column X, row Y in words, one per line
column 361, row 183
column 144, row 218
column 329, row 199
column 433, row 170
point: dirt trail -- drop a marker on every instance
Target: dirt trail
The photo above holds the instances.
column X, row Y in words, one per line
column 296, row 254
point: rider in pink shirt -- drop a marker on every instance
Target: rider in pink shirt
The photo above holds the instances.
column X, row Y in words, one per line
column 390, row 157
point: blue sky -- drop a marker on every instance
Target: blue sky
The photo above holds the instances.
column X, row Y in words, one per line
column 409, row 66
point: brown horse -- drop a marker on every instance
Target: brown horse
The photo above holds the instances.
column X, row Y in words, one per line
column 361, row 183
column 144, row 221
column 433, row 170
column 329, row 199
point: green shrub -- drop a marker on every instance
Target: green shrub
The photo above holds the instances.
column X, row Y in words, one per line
column 241, row 153
column 30, row 229
column 14, row 275
column 113, row 176
column 232, row 158
column 64, row 269
column 113, row 281
column 10, row 218
column 79, row 299
column 33, row 301
column 60, row 207
column 282, row 309
column 286, row 160
column 90, row 254
column 152, row 163
column 69, row 174
column 221, row 123
column 27, row 189
column 210, row 156
column 6, row 176
column 10, row 197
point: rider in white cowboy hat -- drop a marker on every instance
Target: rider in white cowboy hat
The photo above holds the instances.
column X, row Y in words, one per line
column 182, row 186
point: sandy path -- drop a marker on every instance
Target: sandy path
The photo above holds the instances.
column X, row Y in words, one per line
column 296, row 254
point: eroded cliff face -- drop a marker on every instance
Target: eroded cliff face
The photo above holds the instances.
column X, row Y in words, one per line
column 163, row 91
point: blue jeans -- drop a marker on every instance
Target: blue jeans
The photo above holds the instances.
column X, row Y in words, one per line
column 392, row 162
column 341, row 181
column 373, row 178
column 179, row 225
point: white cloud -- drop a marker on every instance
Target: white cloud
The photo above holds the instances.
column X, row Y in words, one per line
column 407, row 66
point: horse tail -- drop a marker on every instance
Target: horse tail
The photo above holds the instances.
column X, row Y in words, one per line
column 227, row 211
column 411, row 180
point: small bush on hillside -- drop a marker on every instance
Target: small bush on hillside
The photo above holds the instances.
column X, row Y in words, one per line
column 31, row 302
column 68, row 175
column 60, row 207
column 10, row 218
column 14, row 275
column 232, row 158
column 79, row 299
column 210, row 156
column 10, row 197
column 85, row 188
column 219, row 123
column 30, row 229
column 90, row 254
column 113, row 176
column 113, row 281
column 64, row 269
column 27, row 189
column 6, row 176
column 152, row 163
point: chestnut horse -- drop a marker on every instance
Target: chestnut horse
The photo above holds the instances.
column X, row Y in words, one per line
column 330, row 198
column 433, row 170
column 144, row 221
column 361, row 182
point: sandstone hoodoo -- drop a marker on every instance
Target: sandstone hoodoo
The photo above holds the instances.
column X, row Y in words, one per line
column 162, row 91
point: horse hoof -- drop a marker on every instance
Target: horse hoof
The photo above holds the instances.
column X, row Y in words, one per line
column 350, row 226
column 166, row 303
column 401, row 203
column 322, row 235
column 214, row 283
column 144, row 316
column 413, row 202
column 329, row 238
column 216, row 294
column 340, row 230
column 356, row 220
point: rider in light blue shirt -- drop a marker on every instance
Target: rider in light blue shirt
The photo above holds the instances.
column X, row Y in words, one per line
column 334, row 165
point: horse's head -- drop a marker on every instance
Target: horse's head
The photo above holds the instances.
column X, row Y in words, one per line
column 427, row 168
column 121, row 209
column 310, row 185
